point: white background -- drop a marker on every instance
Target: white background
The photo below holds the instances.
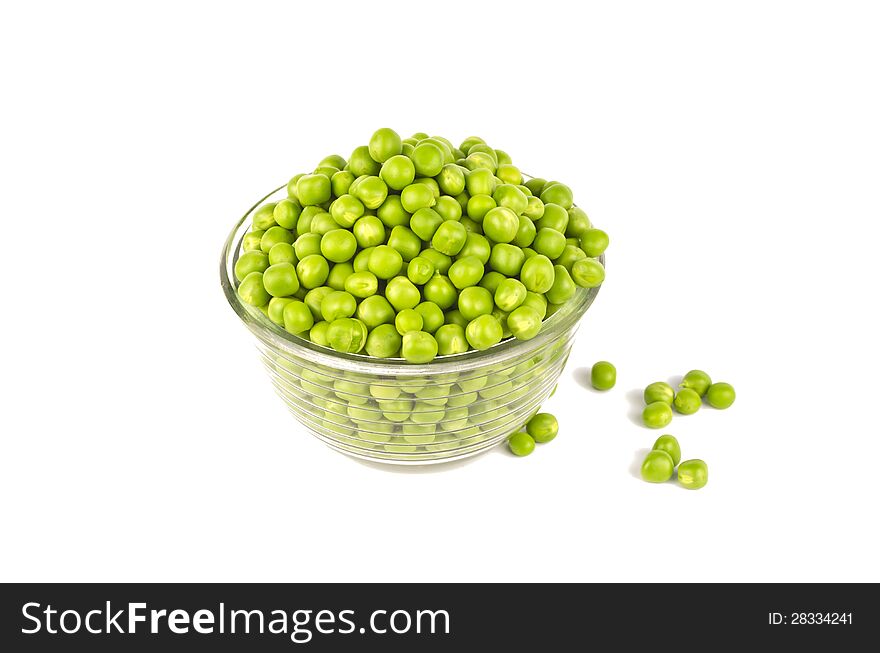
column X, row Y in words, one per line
column 731, row 150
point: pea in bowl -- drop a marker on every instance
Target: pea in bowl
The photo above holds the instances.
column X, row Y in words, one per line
column 393, row 411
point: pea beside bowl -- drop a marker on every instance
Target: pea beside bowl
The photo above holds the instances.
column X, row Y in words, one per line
column 392, row 411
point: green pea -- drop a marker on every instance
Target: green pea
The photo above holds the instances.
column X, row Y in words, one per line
column 448, row 208
column 385, row 262
column 491, row 280
column 475, row 301
column 369, row 231
column 536, row 185
column 417, row 196
column 375, row 310
column 252, row 291
column 318, row 333
column 313, row 189
column 537, row 274
column 657, row 415
column 451, row 339
column 291, row 186
column 693, row 474
column 282, row 253
column 274, row 235
column 659, row 391
column 306, row 245
column 440, row 261
column 521, row 444
column 455, row 317
column 563, row 287
column 341, row 182
column 543, row 427
column 476, row 245
column 401, row 293
column 297, row 317
column 408, row 320
column 449, row 238
column 594, row 242
column 524, row 322
column 670, row 445
column 361, row 163
column 507, row 259
column 483, row 331
column 327, row 171
column 347, row 334
column 588, row 273
column 501, row 224
column 338, row 304
column 510, row 294
column 570, row 255
column 361, row 284
column 549, row 242
column 469, row 142
column 346, row 210
column 480, row 182
column 502, row 316
column 264, row 217
column 312, row 271
column 578, row 222
column 657, row 467
column 430, row 183
column 511, row 197
column 478, row 160
column 419, row 347
column 286, row 213
column 603, row 375
column 372, row 191
column 478, row 206
column 251, row 241
column 428, row 159
column 698, row 381
column 441, row 291
column 384, row 144
column 398, row 172
column 420, row 270
column 451, row 179
column 432, row 316
column 424, row 223
column 508, row 173
column 537, row 302
column 280, row 280
column 322, row 223
column 276, row 309
column 556, row 193
column 525, row 233
column 721, row 395
column 338, row 245
column 405, row 242
column 555, row 218
column 361, row 262
column 313, row 299
column 466, row 271
column 252, row 261
column 392, row 213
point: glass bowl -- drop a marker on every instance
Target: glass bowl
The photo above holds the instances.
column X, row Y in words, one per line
column 391, row 411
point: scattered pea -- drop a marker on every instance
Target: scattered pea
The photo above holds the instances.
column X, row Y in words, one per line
column 693, row 474
column 721, row 395
column 603, row 375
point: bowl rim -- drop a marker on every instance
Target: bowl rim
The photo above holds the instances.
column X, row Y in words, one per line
column 275, row 336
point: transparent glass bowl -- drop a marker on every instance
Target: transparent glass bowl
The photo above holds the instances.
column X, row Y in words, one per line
column 391, row 411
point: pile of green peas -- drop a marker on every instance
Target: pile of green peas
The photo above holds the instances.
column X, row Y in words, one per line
column 696, row 385
column 541, row 428
column 661, row 462
column 414, row 248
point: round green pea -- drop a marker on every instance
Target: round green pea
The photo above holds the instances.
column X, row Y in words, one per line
column 337, row 304
column 537, row 274
column 276, row 309
column 721, row 395
column 507, row 172
column 441, row 291
column 657, row 467
column 322, row 223
column 556, row 193
column 375, row 310
column 313, row 189
column 338, row 245
column 312, row 271
column 347, row 334
column 501, row 224
column 670, row 445
column 588, row 273
column 449, row 238
column 297, row 317
column 536, row 185
column 345, row 210
column 361, row 284
column 251, row 241
column 563, row 287
column 555, row 217
column 419, row 347
column 406, row 242
column 478, row 206
column 369, row 231
column 420, row 270
column 543, row 427
column 318, row 333
column 657, row 415
column 392, row 213
column 372, row 191
column 280, row 280
column 570, row 255
column 525, row 233
column 361, row 260
column 466, row 271
column 603, row 375
column 361, row 163
column 417, row 196
column 252, row 291
column 474, row 302
column 448, row 208
column 524, row 322
column 483, row 331
column 521, row 444
column 594, row 242
column 477, row 246
column 698, row 381
column 451, row 179
column 282, row 253
column 341, row 182
column 510, row 196
column 384, row 144
column 534, row 209
column 286, row 213
column 507, row 259
column 687, row 401
column 578, row 222
column 264, row 217
column 274, row 235
column 455, row 317
column 306, row 245
column 385, row 262
column 313, row 299
column 693, row 474
column 408, row 320
column 549, row 242
column 451, row 339
column 480, row 182
column 424, row 223
column 432, row 316
column 398, row 172
column 428, row 159
column 252, row 261
column 537, row 302
column 491, row 280
column 659, row 391
column 510, row 294
column 401, row 293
